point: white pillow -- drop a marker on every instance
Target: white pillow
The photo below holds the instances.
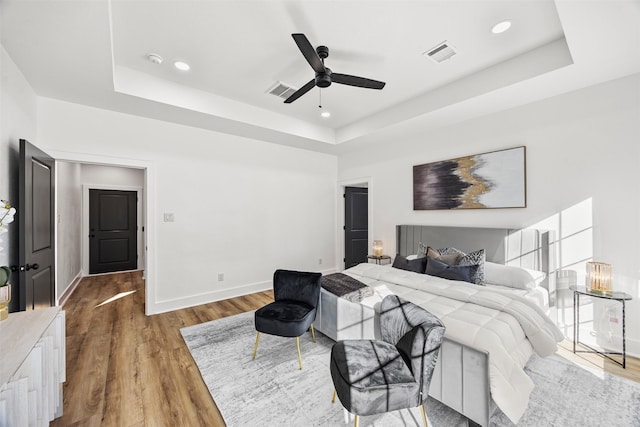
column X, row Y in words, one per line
column 410, row 257
column 513, row 277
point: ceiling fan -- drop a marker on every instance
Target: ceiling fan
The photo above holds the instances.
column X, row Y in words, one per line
column 324, row 76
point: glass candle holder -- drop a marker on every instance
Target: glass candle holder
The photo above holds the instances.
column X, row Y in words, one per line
column 599, row 277
column 377, row 248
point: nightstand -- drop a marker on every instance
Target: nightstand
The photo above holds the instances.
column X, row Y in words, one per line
column 379, row 258
column 621, row 297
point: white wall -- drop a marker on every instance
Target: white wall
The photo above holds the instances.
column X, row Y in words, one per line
column 242, row 207
column 17, row 120
column 68, row 230
column 582, row 150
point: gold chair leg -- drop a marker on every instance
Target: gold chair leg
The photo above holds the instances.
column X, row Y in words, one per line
column 424, row 416
column 255, row 348
column 299, row 356
column 356, row 421
column 333, row 399
column 313, row 333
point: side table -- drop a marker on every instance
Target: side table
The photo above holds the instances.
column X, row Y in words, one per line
column 622, row 297
column 379, row 258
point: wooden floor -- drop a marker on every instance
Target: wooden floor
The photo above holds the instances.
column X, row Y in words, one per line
column 128, row 369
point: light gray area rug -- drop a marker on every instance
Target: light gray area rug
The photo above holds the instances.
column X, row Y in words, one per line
column 272, row 391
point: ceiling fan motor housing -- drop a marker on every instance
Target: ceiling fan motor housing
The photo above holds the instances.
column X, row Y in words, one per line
column 322, row 51
column 323, row 79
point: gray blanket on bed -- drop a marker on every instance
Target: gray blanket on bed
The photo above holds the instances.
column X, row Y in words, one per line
column 346, row 287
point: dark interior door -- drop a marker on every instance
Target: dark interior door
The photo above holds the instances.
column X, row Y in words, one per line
column 356, row 226
column 113, row 231
column 36, row 228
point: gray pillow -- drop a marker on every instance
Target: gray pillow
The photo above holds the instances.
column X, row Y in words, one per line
column 449, row 259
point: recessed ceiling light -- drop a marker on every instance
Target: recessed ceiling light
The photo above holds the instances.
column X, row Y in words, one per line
column 182, row 66
column 325, row 114
column 155, row 58
column 501, row 27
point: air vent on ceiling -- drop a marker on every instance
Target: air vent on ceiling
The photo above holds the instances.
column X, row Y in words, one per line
column 282, row 90
column 442, row 52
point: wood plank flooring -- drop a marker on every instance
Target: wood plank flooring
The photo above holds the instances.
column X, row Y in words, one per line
column 127, row 369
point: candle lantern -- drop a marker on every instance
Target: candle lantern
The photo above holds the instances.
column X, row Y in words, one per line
column 377, row 248
column 599, row 277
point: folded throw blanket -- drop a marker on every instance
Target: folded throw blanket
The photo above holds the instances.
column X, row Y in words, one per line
column 346, row 287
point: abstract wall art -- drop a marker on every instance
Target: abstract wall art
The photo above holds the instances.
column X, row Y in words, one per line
column 482, row 181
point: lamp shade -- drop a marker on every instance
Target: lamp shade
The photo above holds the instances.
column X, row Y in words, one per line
column 377, row 248
column 599, row 277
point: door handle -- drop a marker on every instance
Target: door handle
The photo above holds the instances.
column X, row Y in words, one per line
column 27, row 267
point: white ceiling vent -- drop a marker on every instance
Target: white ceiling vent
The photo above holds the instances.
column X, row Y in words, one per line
column 282, row 90
column 442, row 52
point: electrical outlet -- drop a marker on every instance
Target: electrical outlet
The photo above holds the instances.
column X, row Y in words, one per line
column 319, row 261
column 169, row 217
column 220, row 277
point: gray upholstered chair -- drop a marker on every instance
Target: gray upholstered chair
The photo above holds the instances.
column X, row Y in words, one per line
column 377, row 376
column 296, row 295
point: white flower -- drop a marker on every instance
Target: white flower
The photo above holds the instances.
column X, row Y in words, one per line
column 6, row 213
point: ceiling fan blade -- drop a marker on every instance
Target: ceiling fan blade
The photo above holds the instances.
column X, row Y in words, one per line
column 346, row 79
column 304, row 89
column 309, row 52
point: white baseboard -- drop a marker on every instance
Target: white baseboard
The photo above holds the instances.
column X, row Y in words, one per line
column 71, row 288
column 205, row 298
column 208, row 297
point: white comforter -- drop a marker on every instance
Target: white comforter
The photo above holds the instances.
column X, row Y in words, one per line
column 508, row 327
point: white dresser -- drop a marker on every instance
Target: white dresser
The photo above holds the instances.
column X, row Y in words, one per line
column 32, row 367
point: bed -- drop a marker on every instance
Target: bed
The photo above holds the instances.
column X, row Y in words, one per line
column 491, row 330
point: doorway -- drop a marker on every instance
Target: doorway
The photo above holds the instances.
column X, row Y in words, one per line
column 146, row 213
column 113, row 229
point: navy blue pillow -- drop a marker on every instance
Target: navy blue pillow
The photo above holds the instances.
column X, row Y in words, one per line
column 452, row 272
column 415, row 265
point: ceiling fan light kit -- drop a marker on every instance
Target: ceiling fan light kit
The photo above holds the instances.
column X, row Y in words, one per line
column 324, row 76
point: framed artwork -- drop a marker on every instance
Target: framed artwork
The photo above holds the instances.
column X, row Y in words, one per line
column 482, row 181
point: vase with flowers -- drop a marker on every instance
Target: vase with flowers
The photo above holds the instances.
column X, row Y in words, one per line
column 7, row 213
column 5, row 292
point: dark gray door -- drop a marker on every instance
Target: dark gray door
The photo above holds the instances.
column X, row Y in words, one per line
column 356, row 226
column 113, row 231
column 36, row 218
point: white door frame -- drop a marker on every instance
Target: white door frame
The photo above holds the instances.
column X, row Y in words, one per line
column 355, row 182
column 85, row 221
column 148, row 207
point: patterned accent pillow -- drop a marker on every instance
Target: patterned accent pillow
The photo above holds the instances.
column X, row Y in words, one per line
column 476, row 258
column 422, row 250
